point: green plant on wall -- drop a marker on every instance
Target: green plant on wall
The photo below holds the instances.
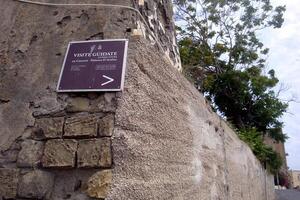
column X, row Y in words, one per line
column 263, row 152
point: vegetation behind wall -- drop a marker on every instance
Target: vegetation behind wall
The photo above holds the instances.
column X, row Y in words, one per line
column 223, row 57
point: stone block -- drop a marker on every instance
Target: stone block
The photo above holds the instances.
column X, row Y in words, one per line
column 92, row 103
column 94, row 153
column 69, row 184
column 106, row 125
column 99, row 184
column 8, row 183
column 110, row 102
column 59, row 153
column 49, row 128
column 36, row 184
column 78, row 104
column 81, row 126
column 30, row 154
column 9, row 157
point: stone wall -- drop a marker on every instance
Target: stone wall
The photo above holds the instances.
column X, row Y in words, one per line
column 169, row 144
column 158, row 139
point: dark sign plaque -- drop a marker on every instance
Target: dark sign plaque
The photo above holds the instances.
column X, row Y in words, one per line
column 97, row 65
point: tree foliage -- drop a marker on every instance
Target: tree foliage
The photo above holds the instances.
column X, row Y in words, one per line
column 223, row 56
column 263, row 152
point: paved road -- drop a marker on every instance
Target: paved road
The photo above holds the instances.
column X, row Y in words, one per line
column 288, row 194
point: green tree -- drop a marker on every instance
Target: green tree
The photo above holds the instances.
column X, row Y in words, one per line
column 263, row 152
column 222, row 55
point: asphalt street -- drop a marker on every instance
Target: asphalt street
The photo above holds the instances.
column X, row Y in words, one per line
column 288, row 194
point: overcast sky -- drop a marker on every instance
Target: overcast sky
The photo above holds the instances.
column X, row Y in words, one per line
column 284, row 57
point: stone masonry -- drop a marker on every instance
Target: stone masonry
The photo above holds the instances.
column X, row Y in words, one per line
column 69, row 141
column 66, row 142
column 59, row 146
column 158, row 139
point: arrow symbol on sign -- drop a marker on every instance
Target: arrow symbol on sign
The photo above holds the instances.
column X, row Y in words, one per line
column 107, row 82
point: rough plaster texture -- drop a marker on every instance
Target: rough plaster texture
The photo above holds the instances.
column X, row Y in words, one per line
column 168, row 144
column 163, row 141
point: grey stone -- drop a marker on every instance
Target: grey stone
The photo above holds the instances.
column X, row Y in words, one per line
column 8, row 183
column 78, row 104
column 106, row 102
column 92, row 103
column 81, row 126
column 80, row 197
column 59, row 153
column 30, row 154
column 94, row 153
column 69, row 184
column 49, row 128
column 110, row 97
column 9, row 157
column 48, row 104
column 36, row 184
column 106, row 125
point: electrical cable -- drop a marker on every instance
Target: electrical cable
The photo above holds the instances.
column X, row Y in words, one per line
column 97, row 5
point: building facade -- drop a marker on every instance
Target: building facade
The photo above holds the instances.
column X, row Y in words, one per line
column 282, row 178
column 295, row 175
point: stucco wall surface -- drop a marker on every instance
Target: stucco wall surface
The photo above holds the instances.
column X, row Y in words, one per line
column 158, row 139
column 168, row 144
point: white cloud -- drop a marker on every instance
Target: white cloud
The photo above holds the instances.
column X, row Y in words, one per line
column 284, row 57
